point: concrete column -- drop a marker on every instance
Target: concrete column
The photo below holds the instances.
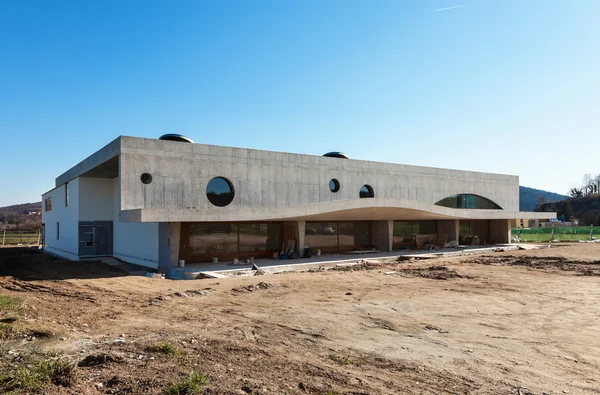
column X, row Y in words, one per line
column 163, row 247
column 448, row 229
column 300, row 228
column 383, row 234
column 174, row 238
column 500, row 231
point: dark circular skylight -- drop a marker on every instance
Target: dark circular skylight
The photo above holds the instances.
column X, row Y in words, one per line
column 335, row 154
column 176, row 137
column 220, row 192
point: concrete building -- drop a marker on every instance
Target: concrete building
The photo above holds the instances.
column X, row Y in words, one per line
column 153, row 202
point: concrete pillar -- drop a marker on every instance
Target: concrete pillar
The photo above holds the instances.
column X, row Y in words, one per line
column 500, row 231
column 163, row 247
column 300, row 228
column 383, row 234
column 174, row 238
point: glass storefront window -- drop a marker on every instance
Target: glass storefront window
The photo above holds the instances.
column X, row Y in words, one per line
column 213, row 238
column 338, row 234
column 427, row 227
column 260, row 237
column 319, row 234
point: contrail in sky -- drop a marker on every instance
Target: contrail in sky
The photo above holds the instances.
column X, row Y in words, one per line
column 448, row 8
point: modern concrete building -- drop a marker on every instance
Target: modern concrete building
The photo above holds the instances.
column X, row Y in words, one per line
column 153, row 202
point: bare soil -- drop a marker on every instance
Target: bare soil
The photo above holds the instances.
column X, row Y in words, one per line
column 503, row 323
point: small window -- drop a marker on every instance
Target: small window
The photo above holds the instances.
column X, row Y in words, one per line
column 48, row 204
column 146, row 178
column 219, row 191
column 57, row 230
column 366, row 192
column 334, row 185
column 67, row 194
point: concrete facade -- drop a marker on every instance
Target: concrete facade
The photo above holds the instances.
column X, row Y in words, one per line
column 291, row 189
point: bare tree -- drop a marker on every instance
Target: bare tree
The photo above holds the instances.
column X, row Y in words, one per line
column 540, row 202
column 588, row 184
column 575, row 192
column 36, row 226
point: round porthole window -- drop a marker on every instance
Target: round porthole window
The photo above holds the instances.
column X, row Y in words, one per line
column 334, row 185
column 146, row 178
column 366, row 192
column 219, row 191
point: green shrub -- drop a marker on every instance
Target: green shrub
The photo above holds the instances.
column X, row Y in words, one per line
column 188, row 385
column 164, row 348
column 36, row 376
column 10, row 304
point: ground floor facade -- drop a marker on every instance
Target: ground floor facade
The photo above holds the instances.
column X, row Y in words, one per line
column 199, row 242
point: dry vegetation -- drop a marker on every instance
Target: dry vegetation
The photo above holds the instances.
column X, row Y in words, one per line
column 511, row 322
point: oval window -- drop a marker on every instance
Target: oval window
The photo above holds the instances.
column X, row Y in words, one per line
column 146, row 178
column 366, row 192
column 334, row 185
column 219, row 191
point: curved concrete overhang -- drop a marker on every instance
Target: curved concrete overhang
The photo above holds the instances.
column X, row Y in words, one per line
column 347, row 210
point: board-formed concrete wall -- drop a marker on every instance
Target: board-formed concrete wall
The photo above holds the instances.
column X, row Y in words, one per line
column 264, row 179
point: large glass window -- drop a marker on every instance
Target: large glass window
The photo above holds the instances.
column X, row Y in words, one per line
column 213, row 238
column 320, row 234
column 404, row 232
column 233, row 240
column 346, row 234
column 468, row 201
column 427, row 227
column 477, row 228
column 336, row 235
column 260, row 237
column 362, row 233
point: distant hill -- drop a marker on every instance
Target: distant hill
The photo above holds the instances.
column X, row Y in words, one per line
column 528, row 197
column 19, row 213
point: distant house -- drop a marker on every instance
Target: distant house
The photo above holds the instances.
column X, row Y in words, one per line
column 156, row 201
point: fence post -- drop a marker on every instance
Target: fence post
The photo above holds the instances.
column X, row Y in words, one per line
column 3, row 236
column 21, row 236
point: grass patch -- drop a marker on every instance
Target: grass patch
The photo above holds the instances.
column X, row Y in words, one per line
column 7, row 331
column 188, row 385
column 34, row 377
column 165, row 348
column 344, row 361
column 10, row 304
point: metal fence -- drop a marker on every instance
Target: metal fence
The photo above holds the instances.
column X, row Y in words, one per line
column 18, row 236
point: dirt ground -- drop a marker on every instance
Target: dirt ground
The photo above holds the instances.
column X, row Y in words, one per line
column 525, row 322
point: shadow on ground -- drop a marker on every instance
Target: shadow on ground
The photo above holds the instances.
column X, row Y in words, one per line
column 30, row 263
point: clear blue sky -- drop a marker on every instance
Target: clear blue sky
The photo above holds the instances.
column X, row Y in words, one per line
column 500, row 86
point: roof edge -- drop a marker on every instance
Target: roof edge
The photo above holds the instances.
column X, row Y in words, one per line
column 105, row 153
